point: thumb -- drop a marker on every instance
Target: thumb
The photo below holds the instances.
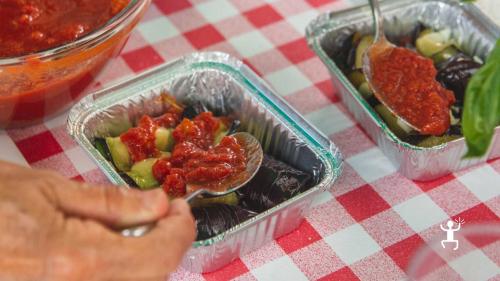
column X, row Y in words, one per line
column 112, row 205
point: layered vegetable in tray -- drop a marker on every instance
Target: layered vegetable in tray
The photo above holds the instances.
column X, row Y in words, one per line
column 442, row 60
column 189, row 145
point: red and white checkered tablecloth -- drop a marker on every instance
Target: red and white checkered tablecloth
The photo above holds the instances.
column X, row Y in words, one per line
column 373, row 219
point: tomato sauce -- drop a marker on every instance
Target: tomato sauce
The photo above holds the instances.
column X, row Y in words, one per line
column 199, row 131
column 34, row 89
column 29, row 26
column 194, row 158
column 172, row 116
column 407, row 83
column 191, row 164
column 140, row 140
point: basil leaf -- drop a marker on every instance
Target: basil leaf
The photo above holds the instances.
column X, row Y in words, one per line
column 482, row 106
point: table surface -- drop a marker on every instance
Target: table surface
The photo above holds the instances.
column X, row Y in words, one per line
column 369, row 224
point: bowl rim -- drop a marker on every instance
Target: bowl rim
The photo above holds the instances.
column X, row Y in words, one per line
column 109, row 28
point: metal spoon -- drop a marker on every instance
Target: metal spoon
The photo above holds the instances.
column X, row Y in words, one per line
column 380, row 45
column 254, row 156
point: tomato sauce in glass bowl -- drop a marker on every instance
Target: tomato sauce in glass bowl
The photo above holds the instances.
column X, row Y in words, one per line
column 52, row 49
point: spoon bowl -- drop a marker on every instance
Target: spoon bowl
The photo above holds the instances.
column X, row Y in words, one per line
column 254, row 155
column 380, row 45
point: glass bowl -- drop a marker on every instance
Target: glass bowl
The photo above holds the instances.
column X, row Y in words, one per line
column 38, row 86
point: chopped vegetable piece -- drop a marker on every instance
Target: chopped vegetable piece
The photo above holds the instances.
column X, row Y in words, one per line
column 445, row 55
column 435, row 141
column 455, row 74
column 365, row 91
column 360, row 51
column 119, row 154
column 140, row 140
column 274, row 183
column 221, row 133
column 102, row 147
column 424, row 32
column 397, row 127
column 215, row 219
column 229, row 199
column 164, row 141
column 142, row 174
column 429, row 44
column 357, row 78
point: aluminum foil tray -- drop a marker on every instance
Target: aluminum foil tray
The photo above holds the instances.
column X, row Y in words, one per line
column 227, row 87
column 474, row 32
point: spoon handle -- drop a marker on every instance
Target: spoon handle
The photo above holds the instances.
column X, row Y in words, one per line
column 140, row 230
column 379, row 20
column 192, row 195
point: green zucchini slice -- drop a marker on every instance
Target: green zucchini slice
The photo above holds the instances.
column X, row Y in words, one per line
column 220, row 133
column 142, row 174
column 164, row 140
column 399, row 128
column 432, row 43
column 229, row 199
column 119, row 153
column 365, row 42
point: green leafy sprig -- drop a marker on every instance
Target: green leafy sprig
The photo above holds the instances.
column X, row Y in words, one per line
column 482, row 106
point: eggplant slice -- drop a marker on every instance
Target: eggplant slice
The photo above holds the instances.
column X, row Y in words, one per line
column 274, row 183
column 455, row 74
column 215, row 219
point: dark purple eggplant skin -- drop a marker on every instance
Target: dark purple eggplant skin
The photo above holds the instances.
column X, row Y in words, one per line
column 215, row 219
column 343, row 56
column 407, row 40
column 274, row 183
column 193, row 110
column 455, row 73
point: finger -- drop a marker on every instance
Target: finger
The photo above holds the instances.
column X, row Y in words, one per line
column 173, row 234
column 151, row 257
column 8, row 169
column 114, row 206
column 159, row 252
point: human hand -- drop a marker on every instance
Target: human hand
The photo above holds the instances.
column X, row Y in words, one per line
column 54, row 229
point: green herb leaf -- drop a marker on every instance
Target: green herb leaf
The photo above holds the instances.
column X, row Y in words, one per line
column 482, row 106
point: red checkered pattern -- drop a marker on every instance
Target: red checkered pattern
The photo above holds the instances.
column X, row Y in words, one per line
column 371, row 222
